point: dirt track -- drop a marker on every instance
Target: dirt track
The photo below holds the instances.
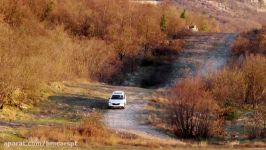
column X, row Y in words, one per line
column 203, row 53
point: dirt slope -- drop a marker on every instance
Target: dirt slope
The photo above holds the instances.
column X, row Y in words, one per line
column 232, row 15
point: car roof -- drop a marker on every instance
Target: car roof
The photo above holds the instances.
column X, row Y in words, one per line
column 119, row 92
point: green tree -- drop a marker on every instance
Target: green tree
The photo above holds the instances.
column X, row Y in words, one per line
column 163, row 23
column 184, row 14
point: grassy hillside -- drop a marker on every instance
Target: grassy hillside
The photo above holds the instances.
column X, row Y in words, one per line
column 44, row 41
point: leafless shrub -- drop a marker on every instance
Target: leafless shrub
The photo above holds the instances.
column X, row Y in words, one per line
column 192, row 111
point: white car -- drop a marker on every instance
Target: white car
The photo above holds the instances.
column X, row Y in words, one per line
column 117, row 100
column 193, row 28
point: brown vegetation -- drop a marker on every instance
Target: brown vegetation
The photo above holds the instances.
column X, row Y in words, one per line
column 252, row 42
column 192, row 111
column 197, row 107
column 243, row 88
column 50, row 40
column 244, row 85
column 89, row 131
column 248, row 84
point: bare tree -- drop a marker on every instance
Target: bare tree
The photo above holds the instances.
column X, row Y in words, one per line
column 192, row 111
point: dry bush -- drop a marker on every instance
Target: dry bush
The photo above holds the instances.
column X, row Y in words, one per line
column 192, row 111
column 30, row 61
column 261, row 111
column 24, row 60
column 89, row 131
column 126, row 26
column 168, row 48
column 255, row 82
column 256, row 127
column 262, row 41
column 228, row 87
column 241, row 45
column 94, row 59
column 51, row 40
column 14, row 12
column 244, row 85
column 33, row 61
column 252, row 42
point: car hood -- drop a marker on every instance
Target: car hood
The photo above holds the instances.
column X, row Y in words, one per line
column 115, row 100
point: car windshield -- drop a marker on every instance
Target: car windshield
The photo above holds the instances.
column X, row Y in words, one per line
column 117, row 97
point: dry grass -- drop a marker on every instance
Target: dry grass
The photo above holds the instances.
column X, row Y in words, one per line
column 89, row 131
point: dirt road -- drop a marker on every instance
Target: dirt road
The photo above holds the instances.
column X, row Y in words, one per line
column 202, row 54
column 128, row 119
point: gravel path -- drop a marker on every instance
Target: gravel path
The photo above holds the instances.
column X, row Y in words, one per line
column 203, row 52
column 127, row 120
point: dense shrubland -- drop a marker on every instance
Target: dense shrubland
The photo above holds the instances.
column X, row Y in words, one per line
column 248, row 82
column 241, row 85
column 252, row 42
column 240, row 91
column 197, row 106
column 51, row 40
